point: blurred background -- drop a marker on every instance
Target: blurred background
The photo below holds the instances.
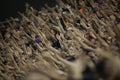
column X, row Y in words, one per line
column 10, row 8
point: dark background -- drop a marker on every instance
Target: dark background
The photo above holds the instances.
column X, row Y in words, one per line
column 10, row 8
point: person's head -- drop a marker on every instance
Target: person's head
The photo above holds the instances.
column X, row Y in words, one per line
column 36, row 76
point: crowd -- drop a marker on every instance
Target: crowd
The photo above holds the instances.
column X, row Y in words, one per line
column 75, row 40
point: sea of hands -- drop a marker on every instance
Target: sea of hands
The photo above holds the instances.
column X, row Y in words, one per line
column 76, row 40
